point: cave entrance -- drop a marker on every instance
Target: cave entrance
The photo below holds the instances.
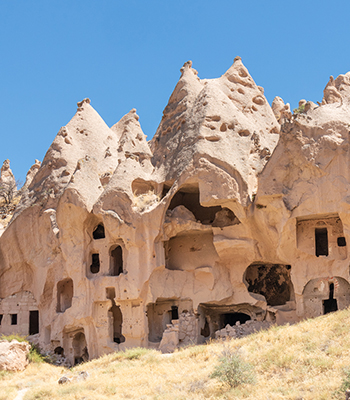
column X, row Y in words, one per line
column 99, row 232
column 330, row 305
column 273, row 281
column 116, row 263
column 188, row 196
column 80, row 348
column 321, row 242
column 33, row 322
column 232, row 318
column 116, row 324
column 95, row 263
column 64, row 295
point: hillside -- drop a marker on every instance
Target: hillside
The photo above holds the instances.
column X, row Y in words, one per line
column 302, row 361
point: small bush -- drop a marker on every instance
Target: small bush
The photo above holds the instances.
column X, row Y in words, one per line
column 135, row 353
column 233, row 370
column 299, row 110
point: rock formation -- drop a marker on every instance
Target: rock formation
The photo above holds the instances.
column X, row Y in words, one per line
column 13, row 355
column 234, row 212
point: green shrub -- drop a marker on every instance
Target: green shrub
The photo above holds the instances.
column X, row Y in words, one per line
column 233, row 370
column 299, row 110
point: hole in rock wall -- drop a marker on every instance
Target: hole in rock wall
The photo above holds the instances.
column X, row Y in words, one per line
column 273, row 281
column 95, row 263
column 59, row 350
column 1, row 316
column 330, row 305
column 190, row 250
column 233, row 318
column 13, row 319
column 33, row 322
column 215, row 317
column 80, row 350
column 341, row 241
column 116, row 324
column 99, row 232
column 161, row 313
column 64, row 294
column 116, row 262
column 188, row 196
column 325, row 295
column 321, row 242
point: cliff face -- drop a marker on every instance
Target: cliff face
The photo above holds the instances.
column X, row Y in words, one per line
column 234, row 211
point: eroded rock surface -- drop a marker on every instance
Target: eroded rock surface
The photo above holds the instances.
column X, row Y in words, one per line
column 13, row 355
column 236, row 215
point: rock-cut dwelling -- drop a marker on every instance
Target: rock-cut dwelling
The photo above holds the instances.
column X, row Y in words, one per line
column 235, row 211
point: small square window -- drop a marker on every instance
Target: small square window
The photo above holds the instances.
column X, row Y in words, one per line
column 1, row 318
column 341, row 241
column 13, row 319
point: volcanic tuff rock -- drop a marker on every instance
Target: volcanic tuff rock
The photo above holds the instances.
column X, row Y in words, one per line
column 235, row 211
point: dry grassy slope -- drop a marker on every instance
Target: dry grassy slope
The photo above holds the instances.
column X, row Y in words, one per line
column 303, row 361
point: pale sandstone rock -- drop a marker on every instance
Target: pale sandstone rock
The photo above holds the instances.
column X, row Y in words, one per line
column 235, row 212
column 13, row 355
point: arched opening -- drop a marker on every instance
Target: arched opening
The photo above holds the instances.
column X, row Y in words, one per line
column 330, row 305
column 273, row 281
column 95, row 263
column 64, row 294
column 116, row 324
column 99, row 232
column 80, row 350
column 59, row 350
column 116, row 263
column 233, row 318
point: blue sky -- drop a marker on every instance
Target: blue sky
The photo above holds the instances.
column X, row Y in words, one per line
column 127, row 54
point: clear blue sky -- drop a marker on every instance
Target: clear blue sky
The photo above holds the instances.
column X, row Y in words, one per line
column 127, row 54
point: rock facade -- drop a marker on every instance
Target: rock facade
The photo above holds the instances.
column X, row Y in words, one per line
column 235, row 211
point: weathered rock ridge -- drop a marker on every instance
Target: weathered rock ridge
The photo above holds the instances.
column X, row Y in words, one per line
column 234, row 211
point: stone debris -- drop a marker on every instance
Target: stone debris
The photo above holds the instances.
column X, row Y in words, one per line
column 81, row 376
column 241, row 330
column 13, row 355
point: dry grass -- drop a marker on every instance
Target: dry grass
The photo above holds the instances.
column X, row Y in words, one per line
column 145, row 201
column 304, row 361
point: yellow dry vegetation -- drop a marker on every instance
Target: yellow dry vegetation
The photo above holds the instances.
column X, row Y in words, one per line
column 145, row 201
column 303, row 361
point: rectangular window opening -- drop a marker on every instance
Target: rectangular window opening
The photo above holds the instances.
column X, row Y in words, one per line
column 33, row 322
column 321, row 241
column 13, row 319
